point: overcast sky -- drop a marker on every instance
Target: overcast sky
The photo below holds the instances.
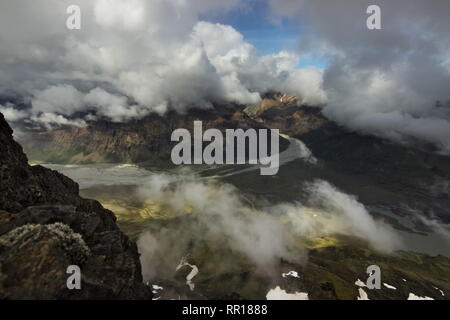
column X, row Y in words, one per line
column 134, row 57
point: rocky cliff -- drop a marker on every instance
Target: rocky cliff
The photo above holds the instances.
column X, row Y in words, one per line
column 143, row 141
column 45, row 226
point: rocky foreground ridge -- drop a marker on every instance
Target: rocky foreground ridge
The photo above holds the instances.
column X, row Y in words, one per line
column 45, row 226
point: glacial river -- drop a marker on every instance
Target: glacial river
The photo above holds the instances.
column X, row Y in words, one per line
column 110, row 183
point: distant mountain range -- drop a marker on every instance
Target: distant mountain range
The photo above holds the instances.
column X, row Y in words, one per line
column 375, row 170
column 400, row 171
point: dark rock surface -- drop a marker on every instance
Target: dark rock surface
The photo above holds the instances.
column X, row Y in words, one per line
column 45, row 226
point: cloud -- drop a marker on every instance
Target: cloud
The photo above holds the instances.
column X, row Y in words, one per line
column 114, row 107
column 12, row 114
column 64, row 99
column 152, row 56
column 121, row 15
column 134, row 57
column 247, row 74
column 218, row 214
column 51, row 121
column 384, row 82
column 354, row 218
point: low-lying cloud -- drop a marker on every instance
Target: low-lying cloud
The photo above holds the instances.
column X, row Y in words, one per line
column 264, row 235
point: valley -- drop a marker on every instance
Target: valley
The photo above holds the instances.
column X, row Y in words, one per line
column 200, row 214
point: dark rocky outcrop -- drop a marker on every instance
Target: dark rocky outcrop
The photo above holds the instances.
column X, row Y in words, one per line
column 45, row 226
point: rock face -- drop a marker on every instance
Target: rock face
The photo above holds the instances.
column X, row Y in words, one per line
column 272, row 100
column 45, row 226
column 143, row 141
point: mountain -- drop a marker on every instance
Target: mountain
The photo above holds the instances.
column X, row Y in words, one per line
column 143, row 141
column 375, row 169
column 45, row 226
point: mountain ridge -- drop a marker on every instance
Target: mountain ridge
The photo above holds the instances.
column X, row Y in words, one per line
column 45, row 226
column 414, row 174
column 147, row 140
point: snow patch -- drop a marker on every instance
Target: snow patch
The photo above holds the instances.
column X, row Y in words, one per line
column 156, row 288
column 290, row 274
column 359, row 283
column 362, row 295
column 280, row 294
column 389, row 286
column 442, row 292
column 191, row 274
column 412, row 296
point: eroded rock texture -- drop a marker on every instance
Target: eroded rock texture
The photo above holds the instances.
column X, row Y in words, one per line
column 45, row 226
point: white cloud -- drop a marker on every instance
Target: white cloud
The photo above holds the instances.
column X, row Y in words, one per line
column 120, row 14
column 51, row 121
column 246, row 73
column 64, row 99
column 12, row 114
column 134, row 57
column 351, row 217
column 113, row 106
column 264, row 235
column 383, row 82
